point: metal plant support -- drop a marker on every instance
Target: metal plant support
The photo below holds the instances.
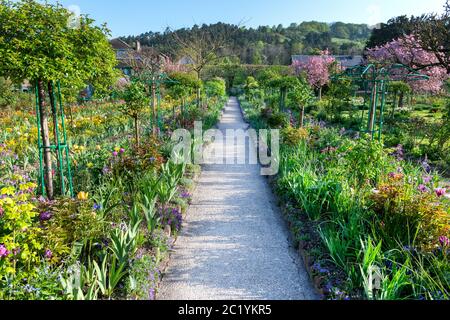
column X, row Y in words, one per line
column 61, row 148
column 374, row 82
column 154, row 82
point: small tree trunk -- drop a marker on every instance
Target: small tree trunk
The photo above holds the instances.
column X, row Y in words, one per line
column 48, row 174
column 320, row 93
column 302, row 117
column 136, row 131
column 174, row 114
column 401, row 101
column 199, row 98
column 183, row 119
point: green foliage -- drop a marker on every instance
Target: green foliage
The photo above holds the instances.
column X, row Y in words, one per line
column 73, row 221
column 37, row 42
column 123, row 242
column 43, row 284
column 292, row 136
column 182, row 85
column 20, row 240
column 136, row 99
column 407, row 216
column 373, row 219
column 277, row 120
column 301, row 94
column 7, row 96
column 143, row 278
column 216, row 87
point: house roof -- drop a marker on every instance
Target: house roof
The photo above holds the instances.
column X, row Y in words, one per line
column 119, row 44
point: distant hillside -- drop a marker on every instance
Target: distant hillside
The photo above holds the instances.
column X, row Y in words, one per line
column 270, row 45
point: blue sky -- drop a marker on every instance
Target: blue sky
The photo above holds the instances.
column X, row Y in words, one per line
column 137, row 16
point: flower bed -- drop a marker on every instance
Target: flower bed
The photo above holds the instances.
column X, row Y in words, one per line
column 370, row 225
column 112, row 240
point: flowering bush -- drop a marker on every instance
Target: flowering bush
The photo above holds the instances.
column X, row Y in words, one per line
column 292, row 136
column 410, row 217
column 20, row 247
column 408, row 51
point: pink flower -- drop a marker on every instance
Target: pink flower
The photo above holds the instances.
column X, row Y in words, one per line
column 422, row 188
column 427, row 179
column 115, row 153
column 444, row 241
column 408, row 51
column 122, row 151
column 48, row 254
column 1, row 212
column 3, row 251
column 317, row 69
column 440, row 192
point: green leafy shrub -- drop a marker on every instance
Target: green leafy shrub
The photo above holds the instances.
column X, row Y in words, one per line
column 411, row 218
column 72, row 221
column 292, row 136
column 20, row 245
column 278, row 120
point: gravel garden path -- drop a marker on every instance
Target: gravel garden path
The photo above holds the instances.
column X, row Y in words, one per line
column 234, row 245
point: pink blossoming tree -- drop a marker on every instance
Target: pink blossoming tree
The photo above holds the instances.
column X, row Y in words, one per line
column 317, row 69
column 409, row 51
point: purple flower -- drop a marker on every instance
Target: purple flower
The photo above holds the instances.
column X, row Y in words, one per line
column 444, row 241
column 426, row 166
column 185, row 195
column 45, row 216
column 106, row 170
column 422, row 188
column 122, row 151
column 16, row 251
column 427, row 179
column 115, row 154
column 152, row 159
column 318, row 267
column 440, row 192
column 97, row 207
column 3, row 251
column 398, row 153
column 151, row 294
column 48, row 254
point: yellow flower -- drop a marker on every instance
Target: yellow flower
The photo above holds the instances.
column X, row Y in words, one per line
column 83, row 195
column 90, row 165
column 98, row 147
column 117, row 149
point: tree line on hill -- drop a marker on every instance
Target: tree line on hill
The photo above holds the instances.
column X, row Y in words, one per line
column 265, row 45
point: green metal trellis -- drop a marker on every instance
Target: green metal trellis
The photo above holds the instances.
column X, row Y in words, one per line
column 154, row 82
column 60, row 147
column 374, row 83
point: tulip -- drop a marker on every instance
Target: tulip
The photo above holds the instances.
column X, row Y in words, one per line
column 440, row 192
column 83, row 196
